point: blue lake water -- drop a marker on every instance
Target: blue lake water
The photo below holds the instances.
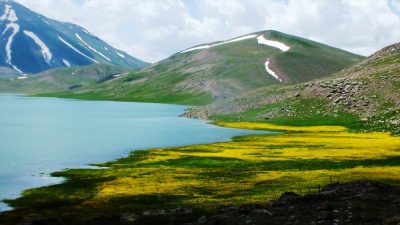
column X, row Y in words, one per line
column 42, row 135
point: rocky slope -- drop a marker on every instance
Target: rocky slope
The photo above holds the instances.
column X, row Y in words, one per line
column 32, row 43
column 368, row 92
column 219, row 70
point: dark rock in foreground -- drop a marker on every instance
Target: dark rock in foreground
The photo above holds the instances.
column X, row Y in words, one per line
column 358, row 202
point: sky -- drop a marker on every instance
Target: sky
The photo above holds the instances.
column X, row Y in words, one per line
column 152, row 30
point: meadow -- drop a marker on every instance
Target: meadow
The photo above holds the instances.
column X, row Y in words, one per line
column 248, row 169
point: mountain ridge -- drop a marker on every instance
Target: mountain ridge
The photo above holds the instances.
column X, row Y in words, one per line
column 32, row 43
column 218, row 70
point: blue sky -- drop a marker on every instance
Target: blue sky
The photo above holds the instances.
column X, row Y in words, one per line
column 154, row 29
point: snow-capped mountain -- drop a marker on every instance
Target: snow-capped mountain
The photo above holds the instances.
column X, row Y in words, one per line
column 31, row 43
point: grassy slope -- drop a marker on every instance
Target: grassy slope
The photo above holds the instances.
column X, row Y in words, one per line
column 249, row 169
column 59, row 79
column 363, row 97
column 200, row 77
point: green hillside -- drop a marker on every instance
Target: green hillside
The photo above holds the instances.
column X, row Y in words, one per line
column 60, row 79
column 224, row 70
column 365, row 96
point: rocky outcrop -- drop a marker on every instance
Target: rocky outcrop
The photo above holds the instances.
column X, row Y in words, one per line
column 358, row 202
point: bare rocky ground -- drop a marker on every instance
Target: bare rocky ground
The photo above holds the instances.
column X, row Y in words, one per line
column 358, row 202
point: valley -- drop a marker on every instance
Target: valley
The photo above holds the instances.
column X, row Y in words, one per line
column 259, row 128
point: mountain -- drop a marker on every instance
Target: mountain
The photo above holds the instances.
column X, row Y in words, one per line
column 8, row 72
column 219, row 70
column 32, row 43
column 61, row 79
column 363, row 97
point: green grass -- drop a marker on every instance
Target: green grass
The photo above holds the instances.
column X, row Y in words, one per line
column 59, row 79
column 304, row 112
column 202, row 77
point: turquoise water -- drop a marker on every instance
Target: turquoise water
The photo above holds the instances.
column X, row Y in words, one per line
column 41, row 135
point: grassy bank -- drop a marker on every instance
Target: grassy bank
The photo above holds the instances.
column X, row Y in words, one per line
column 248, row 169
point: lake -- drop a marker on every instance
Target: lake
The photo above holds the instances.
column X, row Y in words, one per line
column 42, row 135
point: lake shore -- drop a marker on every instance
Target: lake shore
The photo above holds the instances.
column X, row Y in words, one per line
column 41, row 135
column 248, row 169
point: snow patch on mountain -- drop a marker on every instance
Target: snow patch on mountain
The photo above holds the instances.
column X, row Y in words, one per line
column 120, row 54
column 276, row 44
column 84, row 30
column 91, row 48
column 196, row 48
column 66, row 62
column 15, row 28
column 236, row 39
column 76, row 50
column 270, row 71
column 45, row 50
column 22, row 77
column 102, row 55
column 45, row 21
column 10, row 15
column 6, row 12
column 221, row 43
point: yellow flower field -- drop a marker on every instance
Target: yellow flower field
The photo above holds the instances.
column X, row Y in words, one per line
column 255, row 168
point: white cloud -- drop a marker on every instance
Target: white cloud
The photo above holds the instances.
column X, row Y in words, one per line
column 395, row 6
column 153, row 29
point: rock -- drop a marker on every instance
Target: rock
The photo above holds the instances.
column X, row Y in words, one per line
column 44, row 221
column 262, row 211
column 285, row 197
column 129, row 217
column 248, row 221
column 202, row 220
column 337, row 100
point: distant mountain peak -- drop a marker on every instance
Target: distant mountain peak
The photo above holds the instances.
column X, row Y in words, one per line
column 281, row 47
column 31, row 43
column 259, row 37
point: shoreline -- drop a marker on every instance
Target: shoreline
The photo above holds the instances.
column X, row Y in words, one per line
column 124, row 153
column 208, row 175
